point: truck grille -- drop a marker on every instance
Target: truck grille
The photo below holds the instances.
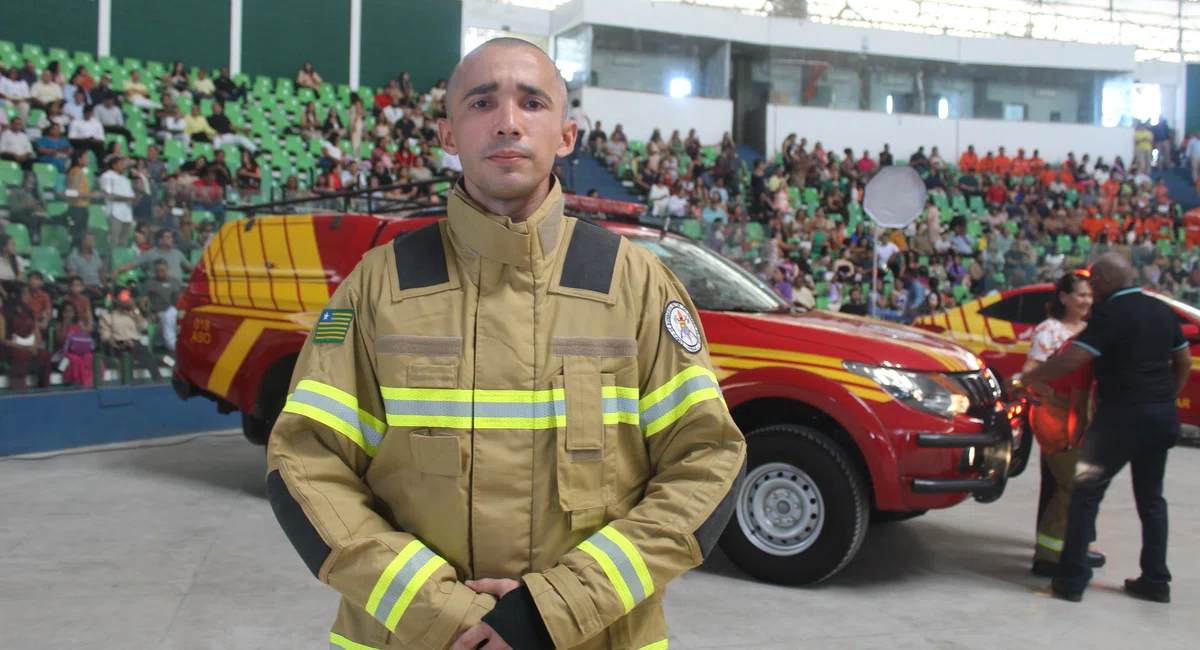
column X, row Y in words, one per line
column 983, row 389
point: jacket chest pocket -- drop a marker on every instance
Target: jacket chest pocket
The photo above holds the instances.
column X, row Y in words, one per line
column 428, row 415
column 599, row 450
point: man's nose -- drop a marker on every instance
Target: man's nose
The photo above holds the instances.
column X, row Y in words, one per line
column 508, row 119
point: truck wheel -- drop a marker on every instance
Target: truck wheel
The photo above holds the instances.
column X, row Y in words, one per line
column 802, row 510
column 256, row 430
column 892, row 516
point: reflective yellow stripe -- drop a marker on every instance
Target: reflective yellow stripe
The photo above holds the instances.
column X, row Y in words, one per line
column 639, row 565
column 339, row 411
column 400, row 582
column 1049, row 542
column 340, row 642
column 497, row 409
column 337, row 641
column 410, row 591
column 675, row 382
column 661, row 645
column 610, row 569
column 345, row 398
column 668, row 403
column 623, row 565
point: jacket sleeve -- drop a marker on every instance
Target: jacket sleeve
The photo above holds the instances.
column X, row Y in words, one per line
column 320, row 448
column 697, row 456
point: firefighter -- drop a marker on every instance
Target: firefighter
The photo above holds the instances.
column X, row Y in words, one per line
column 504, row 430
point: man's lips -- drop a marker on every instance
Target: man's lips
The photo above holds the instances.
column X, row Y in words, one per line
column 507, row 156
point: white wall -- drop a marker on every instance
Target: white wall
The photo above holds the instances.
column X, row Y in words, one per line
column 864, row 130
column 1172, row 78
column 641, row 113
column 725, row 24
column 486, row 14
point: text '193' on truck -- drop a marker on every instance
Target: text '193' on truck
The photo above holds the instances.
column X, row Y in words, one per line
column 849, row 420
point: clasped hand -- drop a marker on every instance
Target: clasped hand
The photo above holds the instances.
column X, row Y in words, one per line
column 482, row 636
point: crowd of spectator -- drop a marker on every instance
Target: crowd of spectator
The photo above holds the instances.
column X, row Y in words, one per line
column 115, row 177
column 992, row 221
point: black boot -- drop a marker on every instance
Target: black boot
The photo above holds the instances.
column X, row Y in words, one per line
column 1158, row 592
column 1096, row 559
column 1045, row 569
column 1063, row 592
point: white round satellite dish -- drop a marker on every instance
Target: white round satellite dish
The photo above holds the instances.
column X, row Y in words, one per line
column 895, row 197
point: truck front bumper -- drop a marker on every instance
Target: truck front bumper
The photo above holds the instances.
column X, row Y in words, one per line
column 985, row 460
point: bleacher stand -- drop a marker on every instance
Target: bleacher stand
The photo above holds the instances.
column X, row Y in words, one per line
column 991, row 222
column 95, row 165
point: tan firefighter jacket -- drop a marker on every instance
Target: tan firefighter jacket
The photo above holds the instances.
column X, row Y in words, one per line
column 489, row 399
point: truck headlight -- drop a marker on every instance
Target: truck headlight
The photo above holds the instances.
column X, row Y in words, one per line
column 931, row 392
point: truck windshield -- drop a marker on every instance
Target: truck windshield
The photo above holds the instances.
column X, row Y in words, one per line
column 713, row 282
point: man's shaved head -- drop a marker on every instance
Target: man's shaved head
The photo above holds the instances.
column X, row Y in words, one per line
column 558, row 91
column 506, row 120
column 1111, row 272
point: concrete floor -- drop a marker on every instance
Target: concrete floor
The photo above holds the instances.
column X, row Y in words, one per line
column 176, row 548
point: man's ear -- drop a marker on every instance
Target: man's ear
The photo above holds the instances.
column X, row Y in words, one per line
column 446, row 133
column 570, row 132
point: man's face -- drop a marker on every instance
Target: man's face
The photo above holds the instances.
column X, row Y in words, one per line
column 35, row 282
column 167, row 240
column 16, row 125
column 160, row 271
column 507, row 120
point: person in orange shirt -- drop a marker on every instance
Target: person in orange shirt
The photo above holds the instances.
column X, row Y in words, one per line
column 1093, row 225
column 1020, row 164
column 1112, row 227
column 1036, row 163
column 1191, row 224
column 1047, row 177
column 1067, row 177
column 1003, row 163
column 969, row 161
column 987, row 164
column 1111, row 187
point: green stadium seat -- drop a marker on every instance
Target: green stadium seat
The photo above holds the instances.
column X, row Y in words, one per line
column 31, row 51
column 185, row 104
column 155, row 69
column 958, row 204
column 754, row 232
column 1065, row 244
column 961, row 293
column 97, row 219
column 200, row 216
column 206, row 106
column 10, row 173
column 976, row 204
column 202, row 150
column 109, row 63
column 692, row 229
column 8, row 47
column 47, row 175
column 196, row 255
column 3, row 194
column 130, row 64
column 48, row 260
column 56, row 208
column 306, row 95
column 173, row 149
column 121, row 257
column 20, row 234
column 811, row 196
column 822, row 303
column 83, row 57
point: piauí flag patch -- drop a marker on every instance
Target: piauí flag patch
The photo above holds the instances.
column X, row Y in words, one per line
column 333, row 326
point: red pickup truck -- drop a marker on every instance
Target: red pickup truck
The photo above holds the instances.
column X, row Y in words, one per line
column 849, row 420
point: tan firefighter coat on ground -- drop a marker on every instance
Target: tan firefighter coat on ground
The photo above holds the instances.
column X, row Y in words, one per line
column 489, row 399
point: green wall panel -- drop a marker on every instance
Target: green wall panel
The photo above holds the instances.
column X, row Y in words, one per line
column 1192, row 107
column 196, row 33
column 69, row 24
column 278, row 36
column 420, row 36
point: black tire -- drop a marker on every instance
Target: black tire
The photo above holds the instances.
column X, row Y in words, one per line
column 891, row 516
column 842, row 491
column 256, row 430
column 1020, row 456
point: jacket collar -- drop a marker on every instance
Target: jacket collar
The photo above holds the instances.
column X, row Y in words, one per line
column 1124, row 292
column 521, row 244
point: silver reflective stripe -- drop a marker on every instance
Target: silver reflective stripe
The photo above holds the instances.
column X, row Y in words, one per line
column 517, row 409
column 427, row 408
column 400, row 582
column 338, row 410
column 676, row 397
column 623, row 564
column 620, row 405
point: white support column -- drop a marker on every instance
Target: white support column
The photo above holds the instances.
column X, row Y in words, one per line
column 235, row 37
column 104, row 28
column 355, row 42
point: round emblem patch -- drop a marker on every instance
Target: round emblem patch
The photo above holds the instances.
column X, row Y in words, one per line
column 682, row 327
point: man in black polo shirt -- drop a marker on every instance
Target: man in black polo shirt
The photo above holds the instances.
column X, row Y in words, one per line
column 1141, row 362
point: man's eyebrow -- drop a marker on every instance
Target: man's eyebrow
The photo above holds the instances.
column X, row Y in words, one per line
column 481, row 89
column 535, row 91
